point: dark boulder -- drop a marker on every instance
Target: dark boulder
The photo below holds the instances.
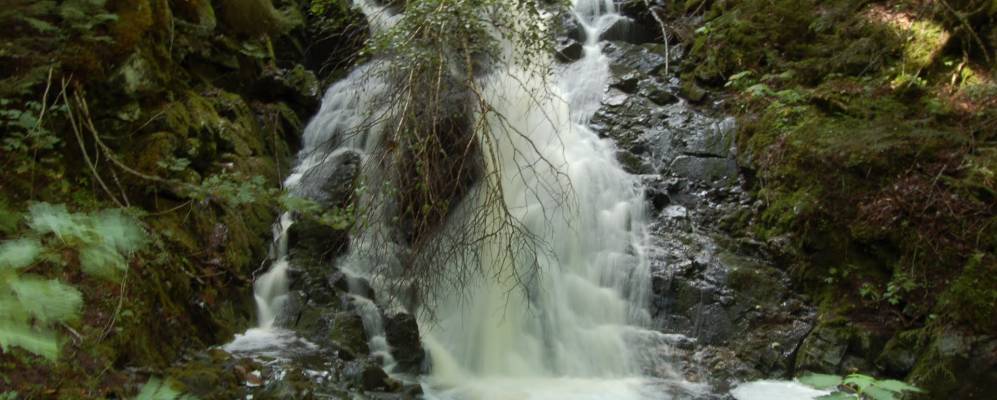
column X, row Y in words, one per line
column 402, row 332
column 569, row 50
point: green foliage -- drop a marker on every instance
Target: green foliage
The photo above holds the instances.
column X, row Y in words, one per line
column 31, row 304
column 339, row 218
column 233, row 189
column 857, row 386
column 156, row 389
column 78, row 19
column 463, row 34
column 325, row 7
column 26, row 139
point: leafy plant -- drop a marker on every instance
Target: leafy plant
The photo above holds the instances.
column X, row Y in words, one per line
column 156, row 389
column 32, row 304
column 26, row 137
column 857, row 386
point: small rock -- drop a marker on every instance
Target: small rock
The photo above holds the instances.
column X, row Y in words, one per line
column 250, row 378
column 692, row 92
column 615, row 98
column 626, row 83
column 660, row 96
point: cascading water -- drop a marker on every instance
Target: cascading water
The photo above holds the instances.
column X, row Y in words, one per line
column 574, row 336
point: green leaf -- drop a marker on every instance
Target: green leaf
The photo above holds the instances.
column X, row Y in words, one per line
column 39, row 25
column 156, row 389
column 897, row 386
column 47, row 218
column 860, row 381
column 21, row 334
column 879, row 394
column 19, row 253
column 102, row 261
column 120, row 231
column 821, row 381
column 47, row 300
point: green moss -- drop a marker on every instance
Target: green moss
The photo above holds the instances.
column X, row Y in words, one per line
column 972, row 298
column 255, row 17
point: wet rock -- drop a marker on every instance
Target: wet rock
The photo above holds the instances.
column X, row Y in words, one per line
column 351, row 284
column 661, row 96
column 330, row 183
column 346, row 330
column 571, row 28
column 626, row 82
column 702, row 169
column 899, row 356
column 648, row 58
column 628, row 30
column 297, row 85
column 568, row 50
column 692, row 92
column 314, row 245
column 366, row 375
column 251, row 378
column 716, row 141
column 656, row 192
column 633, row 163
column 824, row 350
column 402, row 332
column 615, row 98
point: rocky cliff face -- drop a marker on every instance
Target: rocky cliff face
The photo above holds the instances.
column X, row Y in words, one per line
column 857, row 140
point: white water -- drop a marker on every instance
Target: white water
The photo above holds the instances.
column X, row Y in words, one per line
column 776, row 390
column 325, row 140
column 579, row 333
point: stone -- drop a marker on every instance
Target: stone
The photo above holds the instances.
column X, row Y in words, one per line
column 330, row 183
column 568, row 50
column 402, row 332
column 661, row 96
column 615, row 98
column 692, row 92
column 366, row 375
column 715, row 141
column 571, row 28
column 628, row 30
column 705, row 169
column 626, row 82
column 297, row 85
column 823, row 350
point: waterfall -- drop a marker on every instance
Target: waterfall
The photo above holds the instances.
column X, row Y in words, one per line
column 573, row 327
column 576, row 335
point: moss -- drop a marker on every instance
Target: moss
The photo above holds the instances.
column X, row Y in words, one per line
column 254, row 17
column 972, row 298
column 872, row 172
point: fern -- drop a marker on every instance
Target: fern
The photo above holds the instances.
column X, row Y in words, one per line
column 47, row 300
column 102, row 261
column 30, row 305
column 17, row 254
column 55, row 219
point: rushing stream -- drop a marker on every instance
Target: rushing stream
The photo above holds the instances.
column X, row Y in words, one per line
column 583, row 330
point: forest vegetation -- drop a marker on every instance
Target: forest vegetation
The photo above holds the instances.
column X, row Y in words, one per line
column 143, row 144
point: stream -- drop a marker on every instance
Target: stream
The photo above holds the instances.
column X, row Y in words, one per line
column 585, row 326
